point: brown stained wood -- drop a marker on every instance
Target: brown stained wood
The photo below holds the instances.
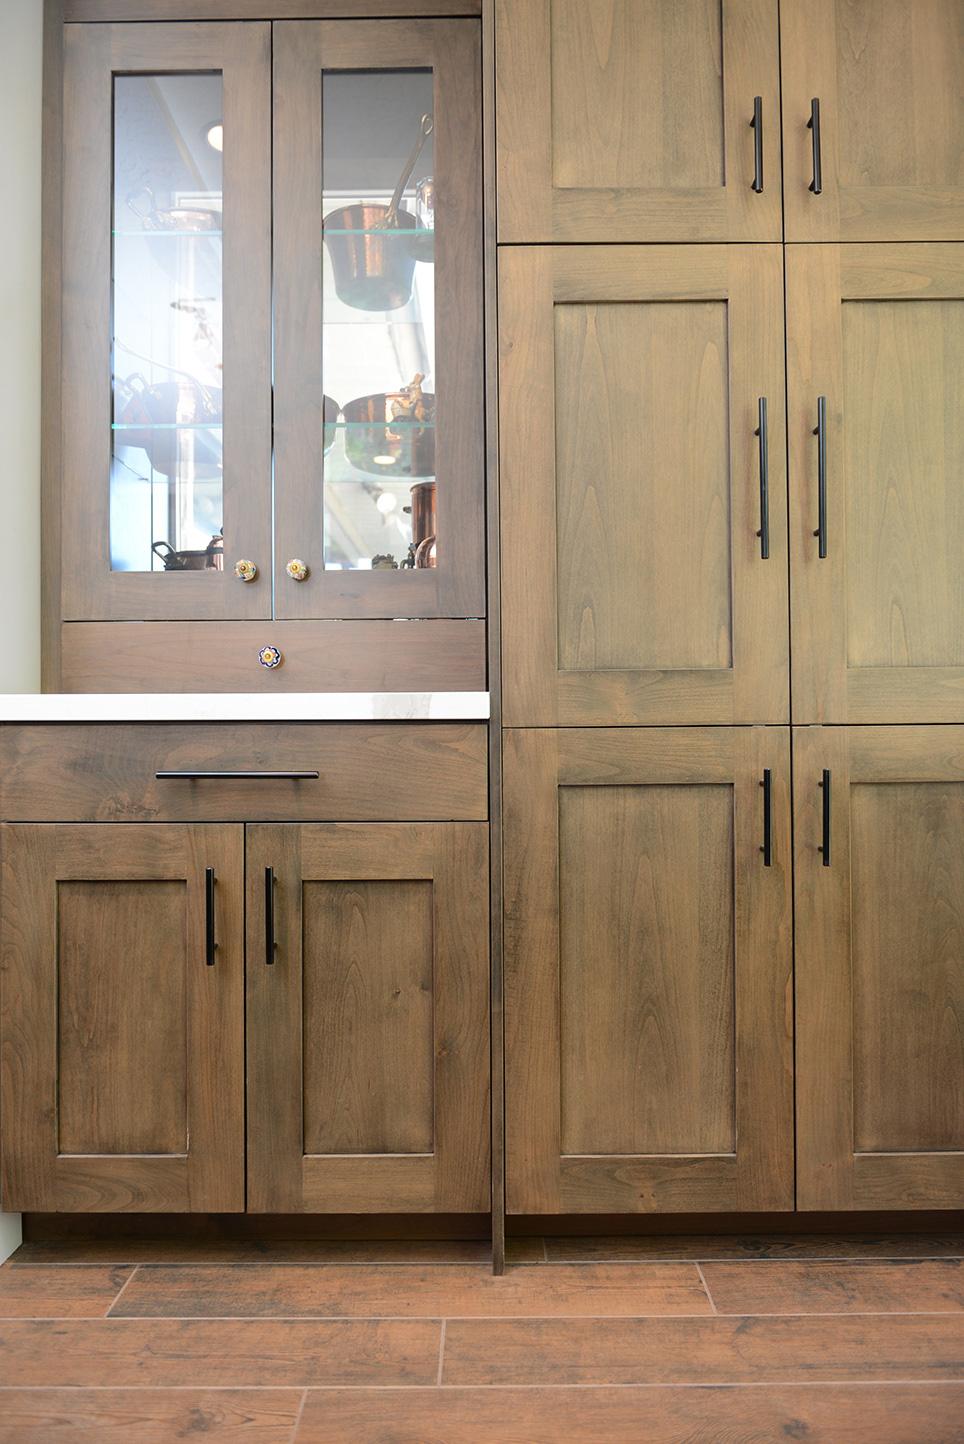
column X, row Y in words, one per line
column 925, row 1286
column 877, row 624
column 791, row 1245
column 921, row 1347
column 52, row 1036
column 892, row 114
column 263, row 9
column 452, row 1175
column 558, row 798
column 625, row 121
column 151, row 1416
column 182, row 1248
column 368, row 1017
column 51, row 260
column 885, row 1414
column 59, row 1293
column 303, row 52
column 367, row 771
column 371, row 656
column 453, row 1291
column 211, row 1353
column 879, row 1121
column 633, row 587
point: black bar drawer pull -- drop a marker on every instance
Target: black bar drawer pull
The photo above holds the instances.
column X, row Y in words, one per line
column 192, row 775
column 813, row 125
column 210, row 935
column 767, row 848
column 764, row 449
column 757, row 124
column 820, row 432
column 269, row 942
column 825, row 840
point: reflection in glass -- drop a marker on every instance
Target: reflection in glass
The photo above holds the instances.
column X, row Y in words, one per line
column 166, row 486
column 379, row 319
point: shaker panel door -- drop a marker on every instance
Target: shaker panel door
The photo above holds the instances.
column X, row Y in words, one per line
column 882, row 80
column 644, row 573
column 638, row 120
column 368, row 1045
column 123, row 1018
column 876, row 356
column 879, row 878
column 648, row 970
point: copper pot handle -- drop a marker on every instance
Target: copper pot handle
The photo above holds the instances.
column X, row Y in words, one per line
column 425, row 128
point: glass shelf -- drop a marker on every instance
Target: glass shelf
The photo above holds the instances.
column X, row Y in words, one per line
column 166, row 426
column 383, row 233
column 173, row 234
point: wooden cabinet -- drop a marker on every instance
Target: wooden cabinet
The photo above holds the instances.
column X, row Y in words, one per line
column 648, row 970
column 876, row 352
column 368, row 1055
column 630, row 120
column 885, row 76
column 123, row 1018
column 636, row 584
column 879, row 877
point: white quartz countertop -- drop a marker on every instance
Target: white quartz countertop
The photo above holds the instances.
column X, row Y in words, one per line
column 245, row 707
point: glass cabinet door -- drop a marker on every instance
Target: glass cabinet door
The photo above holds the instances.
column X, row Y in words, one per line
column 167, row 441
column 378, row 320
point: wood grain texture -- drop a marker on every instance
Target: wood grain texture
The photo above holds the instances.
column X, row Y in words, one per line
column 372, row 656
column 151, row 1416
column 181, row 1247
column 633, row 587
column 877, row 624
column 892, row 113
column 884, row 1414
column 925, row 1286
column 368, row 772
column 790, row 1245
column 454, row 1291
column 59, row 1293
column 263, row 9
column 886, row 915
column 627, row 120
column 703, row 1351
column 51, row 378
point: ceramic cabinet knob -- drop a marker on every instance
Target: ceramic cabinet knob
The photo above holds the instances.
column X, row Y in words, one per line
column 245, row 570
column 297, row 569
column 270, row 657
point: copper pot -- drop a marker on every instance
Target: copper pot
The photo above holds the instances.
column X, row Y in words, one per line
column 210, row 559
column 424, row 525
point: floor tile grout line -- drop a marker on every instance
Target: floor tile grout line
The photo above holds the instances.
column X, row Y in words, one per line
column 791, row 1383
column 706, row 1289
column 123, row 1262
column 441, row 1354
column 298, row 1415
column 541, row 1318
column 120, row 1291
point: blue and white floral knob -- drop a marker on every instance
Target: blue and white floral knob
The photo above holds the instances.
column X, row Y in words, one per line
column 270, row 657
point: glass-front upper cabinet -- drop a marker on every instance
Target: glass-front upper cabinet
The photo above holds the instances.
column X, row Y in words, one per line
column 166, row 386
column 378, row 411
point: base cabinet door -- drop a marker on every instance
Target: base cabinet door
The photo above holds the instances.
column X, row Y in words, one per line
column 879, row 877
column 123, row 1018
column 648, row 970
column 367, row 1016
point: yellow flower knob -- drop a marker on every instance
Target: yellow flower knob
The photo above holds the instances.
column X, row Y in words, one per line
column 297, row 569
column 247, row 571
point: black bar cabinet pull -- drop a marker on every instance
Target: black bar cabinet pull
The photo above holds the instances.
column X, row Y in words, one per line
column 192, row 775
column 825, row 840
column 820, row 432
column 767, row 848
column 210, row 939
column 813, row 125
column 761, row 432
column 269, row 942
column 757, row 124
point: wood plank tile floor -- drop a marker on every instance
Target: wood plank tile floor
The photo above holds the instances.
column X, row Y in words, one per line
column 596, row 1341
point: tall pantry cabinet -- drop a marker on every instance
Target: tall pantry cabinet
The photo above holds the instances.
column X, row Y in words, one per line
column 732, row 500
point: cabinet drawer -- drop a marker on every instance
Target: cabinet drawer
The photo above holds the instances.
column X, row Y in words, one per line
column 108, row 773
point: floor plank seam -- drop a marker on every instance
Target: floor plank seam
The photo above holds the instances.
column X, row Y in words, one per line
column 120, row 1291
column 298, row 1416
column 441, row 1353
column 706, row 1289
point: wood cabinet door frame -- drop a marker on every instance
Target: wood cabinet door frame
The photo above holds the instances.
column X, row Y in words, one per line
column 533, row 208
column 831, row 1173
column 754, row 688
column 454, row 1176
column 209, row 1175
column 91, row 591
column 810, row 70
column 826, row 688
column 302, row 52
column 759, row 1174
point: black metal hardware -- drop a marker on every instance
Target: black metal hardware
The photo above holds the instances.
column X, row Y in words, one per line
column 813, row 125
column 269, row 942
column 820, row 432
column 757, row 124
column 193, row 776
column 825, row 840
column 210, row 939
column 767, row 848
column 761, row 432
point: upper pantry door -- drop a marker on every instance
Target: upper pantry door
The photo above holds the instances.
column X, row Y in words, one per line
column 873, row 115
column 638, row 120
